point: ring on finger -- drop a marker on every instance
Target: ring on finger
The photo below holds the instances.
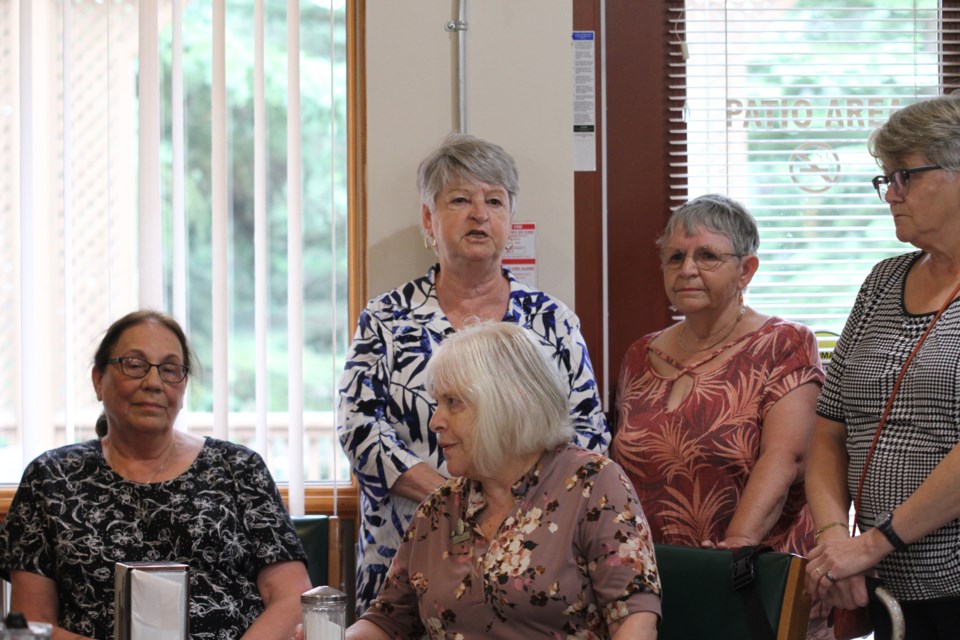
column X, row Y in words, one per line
column 831, row 577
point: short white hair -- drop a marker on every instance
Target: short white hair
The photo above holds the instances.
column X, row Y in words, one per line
column 520, row 397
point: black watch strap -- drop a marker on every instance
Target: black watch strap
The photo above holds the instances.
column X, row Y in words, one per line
column 885, row 526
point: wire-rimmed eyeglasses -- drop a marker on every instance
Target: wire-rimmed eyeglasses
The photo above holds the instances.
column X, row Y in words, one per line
column 899, row 180
column 139, row 368
column 705, row 258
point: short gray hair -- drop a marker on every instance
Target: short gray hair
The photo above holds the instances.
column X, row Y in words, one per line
column 465, row 156
column 930, row 127
column 719, row 214
column 519, row 395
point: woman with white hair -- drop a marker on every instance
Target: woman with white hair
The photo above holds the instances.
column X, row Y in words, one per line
column 468, row 189
column 536, row 537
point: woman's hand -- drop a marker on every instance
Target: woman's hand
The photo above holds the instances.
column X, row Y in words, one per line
column 636, row 626
column 730, row 542
column 359, row 630
column 837, row 565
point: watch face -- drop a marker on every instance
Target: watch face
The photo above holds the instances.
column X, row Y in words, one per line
column 885, row 526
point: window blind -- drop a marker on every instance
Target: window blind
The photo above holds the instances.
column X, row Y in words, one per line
column 146, row 148
column 772, row 104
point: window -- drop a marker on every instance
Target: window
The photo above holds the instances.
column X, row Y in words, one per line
column 772, row 104
column 76, row 238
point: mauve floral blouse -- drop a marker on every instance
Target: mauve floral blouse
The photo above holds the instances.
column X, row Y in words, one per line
column 574, row 556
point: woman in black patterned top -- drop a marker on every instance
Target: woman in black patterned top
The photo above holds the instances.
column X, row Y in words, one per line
column 909, row 512
column 145, row 491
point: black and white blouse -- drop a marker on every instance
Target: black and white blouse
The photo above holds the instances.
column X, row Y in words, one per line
column 73, row 517
column 923, row 426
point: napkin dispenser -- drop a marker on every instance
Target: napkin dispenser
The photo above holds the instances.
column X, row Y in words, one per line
column 151, row 601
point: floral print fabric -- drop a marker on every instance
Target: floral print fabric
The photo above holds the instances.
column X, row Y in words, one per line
column 73, row 518
column 384, row 410
column 691, row 464
column 574, row 556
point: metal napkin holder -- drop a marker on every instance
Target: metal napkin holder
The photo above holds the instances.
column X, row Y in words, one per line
column 128, row 608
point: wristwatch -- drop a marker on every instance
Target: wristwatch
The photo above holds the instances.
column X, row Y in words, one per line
column 885, row 526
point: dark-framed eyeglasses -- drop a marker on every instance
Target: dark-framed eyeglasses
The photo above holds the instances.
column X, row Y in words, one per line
column 706, row 258
column 139, row 368
column 899, row 180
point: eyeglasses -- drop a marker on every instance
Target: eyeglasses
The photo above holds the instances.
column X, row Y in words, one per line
column 705, row 258
column 139, row 368
column 899, row 180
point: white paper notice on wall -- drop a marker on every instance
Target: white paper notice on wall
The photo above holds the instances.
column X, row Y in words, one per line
column 521, row 258
column 584, row 102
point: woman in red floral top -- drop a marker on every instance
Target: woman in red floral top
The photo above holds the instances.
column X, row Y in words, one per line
column 537, row 537
column 714, row 413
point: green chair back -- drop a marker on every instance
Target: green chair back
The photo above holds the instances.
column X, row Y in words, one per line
column 330, row 545
column 314, row 533
column 699, row 600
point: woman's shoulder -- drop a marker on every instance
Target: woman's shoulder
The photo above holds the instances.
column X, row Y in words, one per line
column 533, row 300
column 68, row 465
column 643, row 341
column 224, row 451
column 413, row 294
column 438, row 500
column 572, row 461
column 778, row 341
column 637, row 351
column 889, row 268
column 786, row 328
column 69, row 453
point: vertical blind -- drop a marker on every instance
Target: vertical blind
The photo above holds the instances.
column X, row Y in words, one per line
column 772, row 103
column 150, row 157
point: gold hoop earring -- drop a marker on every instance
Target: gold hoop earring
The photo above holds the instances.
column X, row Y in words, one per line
column 509, row 244
column 429, row 242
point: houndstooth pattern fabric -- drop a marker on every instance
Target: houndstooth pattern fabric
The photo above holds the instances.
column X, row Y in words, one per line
column 923, row 426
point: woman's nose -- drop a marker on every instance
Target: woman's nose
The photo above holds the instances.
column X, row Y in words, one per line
column 478, row 210
column 152, row 379
column 893, row 194
column 689, row 265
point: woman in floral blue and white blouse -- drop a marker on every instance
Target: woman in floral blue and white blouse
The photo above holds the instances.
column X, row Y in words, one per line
column 468, row 189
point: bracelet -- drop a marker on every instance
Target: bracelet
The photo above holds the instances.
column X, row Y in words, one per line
column 816, row 536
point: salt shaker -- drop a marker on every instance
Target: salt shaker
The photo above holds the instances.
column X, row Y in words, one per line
column 324, row 613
